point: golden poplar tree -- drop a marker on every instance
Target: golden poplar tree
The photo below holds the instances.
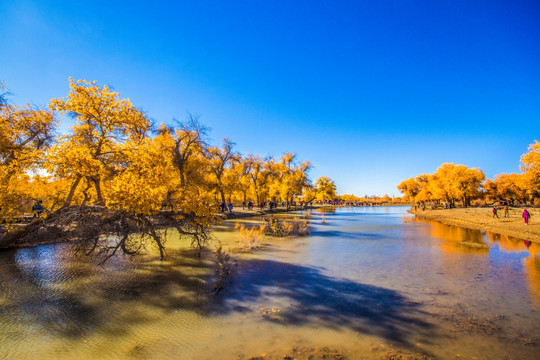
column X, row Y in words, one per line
column 104, row 123
column 530, row 165
column 25, row 133
column 325, row 188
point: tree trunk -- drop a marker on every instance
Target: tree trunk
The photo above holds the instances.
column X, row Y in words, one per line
column 222, row 193
column 72, row 191
column 98, row 191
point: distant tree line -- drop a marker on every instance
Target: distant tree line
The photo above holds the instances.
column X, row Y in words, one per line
column 458, row 184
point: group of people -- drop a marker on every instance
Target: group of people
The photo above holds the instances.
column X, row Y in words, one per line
column 262, row 205
column 525, row 215
column 224, row 207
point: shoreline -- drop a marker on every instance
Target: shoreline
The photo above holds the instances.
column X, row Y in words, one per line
column 244, row 213
column 482, row 219
column 235, row 214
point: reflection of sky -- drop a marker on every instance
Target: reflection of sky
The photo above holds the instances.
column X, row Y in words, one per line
column 39, row 263
column 46, row 264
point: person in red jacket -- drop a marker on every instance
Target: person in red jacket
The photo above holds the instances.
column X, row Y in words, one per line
column 526, row 216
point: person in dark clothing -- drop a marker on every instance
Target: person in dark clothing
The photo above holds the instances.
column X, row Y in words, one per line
column 37, row 209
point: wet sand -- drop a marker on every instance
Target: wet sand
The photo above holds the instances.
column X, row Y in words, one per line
column 482, row 219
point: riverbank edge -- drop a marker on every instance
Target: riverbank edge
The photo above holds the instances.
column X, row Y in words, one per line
column 234, row 215
column 470, row 224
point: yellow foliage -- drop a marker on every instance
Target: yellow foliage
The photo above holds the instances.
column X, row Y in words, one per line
column 530, row 165
column 449, row 183
column 325, row 188
column 25, row 133
column 96, row 146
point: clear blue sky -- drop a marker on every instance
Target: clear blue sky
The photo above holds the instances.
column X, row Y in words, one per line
column 372, row 92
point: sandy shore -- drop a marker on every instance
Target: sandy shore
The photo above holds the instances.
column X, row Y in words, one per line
column 237, row 213
column 482, row 219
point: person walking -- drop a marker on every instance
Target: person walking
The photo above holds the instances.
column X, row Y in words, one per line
column 505, row 211
column 526, row 216
column 495, row 212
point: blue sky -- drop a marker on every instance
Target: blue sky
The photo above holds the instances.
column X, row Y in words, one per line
column 372, row 92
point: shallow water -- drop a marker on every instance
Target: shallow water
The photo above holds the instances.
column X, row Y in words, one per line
column 367, row 282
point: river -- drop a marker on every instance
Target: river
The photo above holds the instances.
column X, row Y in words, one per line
column 367, row 283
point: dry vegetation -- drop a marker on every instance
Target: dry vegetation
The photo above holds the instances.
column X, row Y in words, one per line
column 282, row 228
column 249, row 238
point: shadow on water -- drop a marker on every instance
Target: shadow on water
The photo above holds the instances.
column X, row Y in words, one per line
column 113, row 298
column 344, row 234
column 315, row 299
column 78, row 297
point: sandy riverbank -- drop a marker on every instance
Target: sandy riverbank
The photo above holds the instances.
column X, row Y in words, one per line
column 237, row 213
column 482, row 219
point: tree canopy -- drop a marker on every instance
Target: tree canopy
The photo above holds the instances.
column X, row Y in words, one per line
column 457, row 183
column 114, row 181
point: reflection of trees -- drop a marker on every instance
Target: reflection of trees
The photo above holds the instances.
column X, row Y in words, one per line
column 532, row 270
column 531, row 264
column 506, row 243
column 455, row 237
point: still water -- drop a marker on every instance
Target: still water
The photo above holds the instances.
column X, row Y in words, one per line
column 367, row 283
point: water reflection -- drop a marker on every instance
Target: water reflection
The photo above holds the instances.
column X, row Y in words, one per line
column 532, row 269
column 458, row 239
column 462, row 240
column 362, row 279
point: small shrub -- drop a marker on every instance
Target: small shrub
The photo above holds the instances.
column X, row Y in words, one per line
column 224, row 268
column 278, row 228
column 282, row 228
column 302, row 227
column 250, row 238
